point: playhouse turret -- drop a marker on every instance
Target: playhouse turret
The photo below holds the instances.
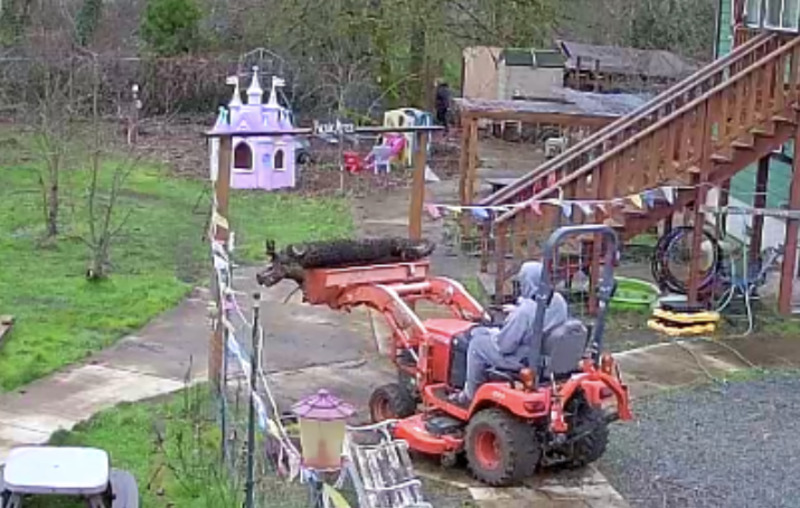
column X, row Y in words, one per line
column 255, row 93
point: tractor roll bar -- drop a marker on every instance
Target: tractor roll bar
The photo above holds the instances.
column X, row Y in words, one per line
column 605, row 288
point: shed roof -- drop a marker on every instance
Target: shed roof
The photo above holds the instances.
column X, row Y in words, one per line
column 529, row 57
column 568, row 103
column 619, row 60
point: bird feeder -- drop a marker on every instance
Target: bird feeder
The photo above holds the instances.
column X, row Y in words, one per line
column 322, row 420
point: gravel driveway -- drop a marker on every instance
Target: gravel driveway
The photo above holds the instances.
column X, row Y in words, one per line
column 724, row 445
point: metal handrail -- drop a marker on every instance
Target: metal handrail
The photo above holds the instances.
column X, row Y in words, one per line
column 604, row 134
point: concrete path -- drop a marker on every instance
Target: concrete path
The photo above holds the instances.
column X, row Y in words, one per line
column 308, row 347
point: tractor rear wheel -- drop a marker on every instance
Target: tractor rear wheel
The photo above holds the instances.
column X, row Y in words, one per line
column 390, row 402
column 589, row 425
column 501, row 449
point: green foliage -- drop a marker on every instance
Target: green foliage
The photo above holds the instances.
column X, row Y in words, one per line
column 171, row 448
column 61, row 317
column 87, row 20
column 171, row 27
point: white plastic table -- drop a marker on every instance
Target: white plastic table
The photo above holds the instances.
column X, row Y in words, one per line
column 45, row 470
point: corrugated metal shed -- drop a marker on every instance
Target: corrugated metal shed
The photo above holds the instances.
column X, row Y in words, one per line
column 629, row 61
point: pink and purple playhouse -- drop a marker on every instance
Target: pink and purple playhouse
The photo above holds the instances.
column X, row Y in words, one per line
column 263, row 162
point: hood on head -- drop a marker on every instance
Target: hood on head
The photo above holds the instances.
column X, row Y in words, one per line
column 529, row 276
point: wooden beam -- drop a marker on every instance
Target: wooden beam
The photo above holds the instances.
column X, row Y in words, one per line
column 418, row 187
column 759, row 201
column 576, row 120
column 463, row 171
column 222, row 188
column 789, row 268
column 472, row 160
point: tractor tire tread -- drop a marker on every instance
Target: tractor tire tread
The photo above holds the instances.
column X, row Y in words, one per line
column 521, row 456
column 401, row 402
column 592, row 446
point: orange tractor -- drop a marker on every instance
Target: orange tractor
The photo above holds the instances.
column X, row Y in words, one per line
column 555, row 410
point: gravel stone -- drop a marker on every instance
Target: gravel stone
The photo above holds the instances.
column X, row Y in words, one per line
column 722, row 445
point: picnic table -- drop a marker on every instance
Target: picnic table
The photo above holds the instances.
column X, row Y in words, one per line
column 85, row 473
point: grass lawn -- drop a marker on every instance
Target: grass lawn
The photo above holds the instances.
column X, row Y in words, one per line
column 61, row 317
column 172, row 447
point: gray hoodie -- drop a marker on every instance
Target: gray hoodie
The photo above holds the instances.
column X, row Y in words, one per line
column 517, row 335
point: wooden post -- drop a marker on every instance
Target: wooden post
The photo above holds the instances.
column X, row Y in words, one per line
column 697, row 242
column 463, row 164
column 759, row 201
column 418, row 187
column 724, row 197
column 789, row 268
column 222, row 189
column 472, row 160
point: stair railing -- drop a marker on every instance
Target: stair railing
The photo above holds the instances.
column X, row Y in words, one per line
column 663, row 104
column 685, row 142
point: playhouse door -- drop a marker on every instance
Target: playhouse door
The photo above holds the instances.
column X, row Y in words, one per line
column 265, row 170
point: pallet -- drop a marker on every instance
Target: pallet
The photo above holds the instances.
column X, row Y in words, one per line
column 6, row 322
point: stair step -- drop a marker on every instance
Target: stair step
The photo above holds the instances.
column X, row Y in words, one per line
column 721, row 158
column 742, row 145
column 783, row 119
column 761, row 131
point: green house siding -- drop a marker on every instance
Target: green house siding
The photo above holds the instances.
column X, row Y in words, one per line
column 725, row 41
column 780, row 174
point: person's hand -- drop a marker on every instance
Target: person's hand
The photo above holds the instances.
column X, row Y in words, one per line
column 507, row 308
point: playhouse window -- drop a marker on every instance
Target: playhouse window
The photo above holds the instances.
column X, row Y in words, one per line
column 242, row 156
column 279, row 162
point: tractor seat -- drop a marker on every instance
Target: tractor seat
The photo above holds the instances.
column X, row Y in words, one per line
column 561, row 353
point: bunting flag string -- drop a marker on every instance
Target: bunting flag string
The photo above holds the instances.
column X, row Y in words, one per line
column 641, row 200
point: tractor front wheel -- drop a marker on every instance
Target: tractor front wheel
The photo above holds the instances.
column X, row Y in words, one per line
column 589, row 432
column 390, row 402
column 501, row 449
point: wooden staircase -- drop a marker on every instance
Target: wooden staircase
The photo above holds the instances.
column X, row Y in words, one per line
column 695, row 135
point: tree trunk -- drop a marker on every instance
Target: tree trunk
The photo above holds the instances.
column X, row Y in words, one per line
column 52, row 200
column 417, row 50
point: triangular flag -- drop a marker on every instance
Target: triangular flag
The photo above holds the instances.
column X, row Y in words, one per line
column 649, row 197
column 433, row 211
column 480, row 213
column 536, row 207
column 566, row 209
column 586, row 208
column 636, row 199
column 669, row 194
column 334, row 497
column 551, row 179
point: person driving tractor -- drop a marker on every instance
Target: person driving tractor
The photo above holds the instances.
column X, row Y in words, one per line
column 508, row 348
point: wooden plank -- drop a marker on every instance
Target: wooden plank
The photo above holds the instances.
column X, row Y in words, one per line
column 789, row 268
column 418, row 188
column 779, row 89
